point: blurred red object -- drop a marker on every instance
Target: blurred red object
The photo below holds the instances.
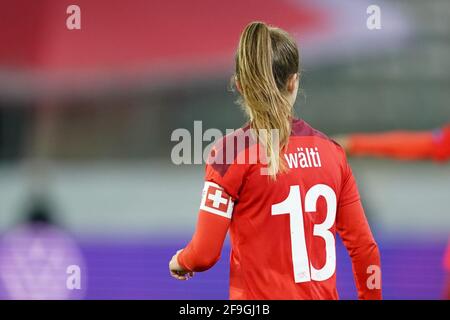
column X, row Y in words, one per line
column 121, row 39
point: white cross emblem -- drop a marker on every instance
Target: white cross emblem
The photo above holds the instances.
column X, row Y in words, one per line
column 219, row 197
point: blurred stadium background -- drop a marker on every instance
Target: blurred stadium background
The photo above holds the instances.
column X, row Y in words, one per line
column 86, row 117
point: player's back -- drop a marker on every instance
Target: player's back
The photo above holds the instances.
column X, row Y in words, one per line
column 283, row 230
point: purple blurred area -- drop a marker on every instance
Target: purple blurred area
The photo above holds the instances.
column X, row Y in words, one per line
column 138, row 270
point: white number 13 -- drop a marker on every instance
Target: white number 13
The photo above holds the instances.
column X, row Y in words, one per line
column 304, row 271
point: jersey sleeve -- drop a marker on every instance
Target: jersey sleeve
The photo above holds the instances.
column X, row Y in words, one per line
column 223, row 181
column 205, row 247
column 349, row 189
column 354, row 230
column 355, row 233
column 224, row 166
column 214, row 217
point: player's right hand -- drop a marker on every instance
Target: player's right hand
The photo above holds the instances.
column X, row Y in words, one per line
column 177, row 271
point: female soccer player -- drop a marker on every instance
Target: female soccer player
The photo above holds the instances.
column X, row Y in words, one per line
column 283, row 210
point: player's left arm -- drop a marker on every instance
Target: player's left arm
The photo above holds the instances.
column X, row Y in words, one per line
column 354, row 230
column 357, row 237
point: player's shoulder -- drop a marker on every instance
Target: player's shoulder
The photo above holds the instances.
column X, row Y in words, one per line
column 226, row 149
column 300, row 128
column 232, row 143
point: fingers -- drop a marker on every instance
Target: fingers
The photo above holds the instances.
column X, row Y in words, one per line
column 176, row 271
column 179, row 275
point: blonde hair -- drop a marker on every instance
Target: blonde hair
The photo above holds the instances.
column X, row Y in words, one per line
column 265, row 59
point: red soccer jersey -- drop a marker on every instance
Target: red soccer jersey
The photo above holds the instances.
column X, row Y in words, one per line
column 283, row 232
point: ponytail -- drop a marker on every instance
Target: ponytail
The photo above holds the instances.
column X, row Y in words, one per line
column 262, row 84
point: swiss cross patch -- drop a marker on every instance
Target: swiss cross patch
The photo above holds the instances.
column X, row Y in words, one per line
column 216, row 200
